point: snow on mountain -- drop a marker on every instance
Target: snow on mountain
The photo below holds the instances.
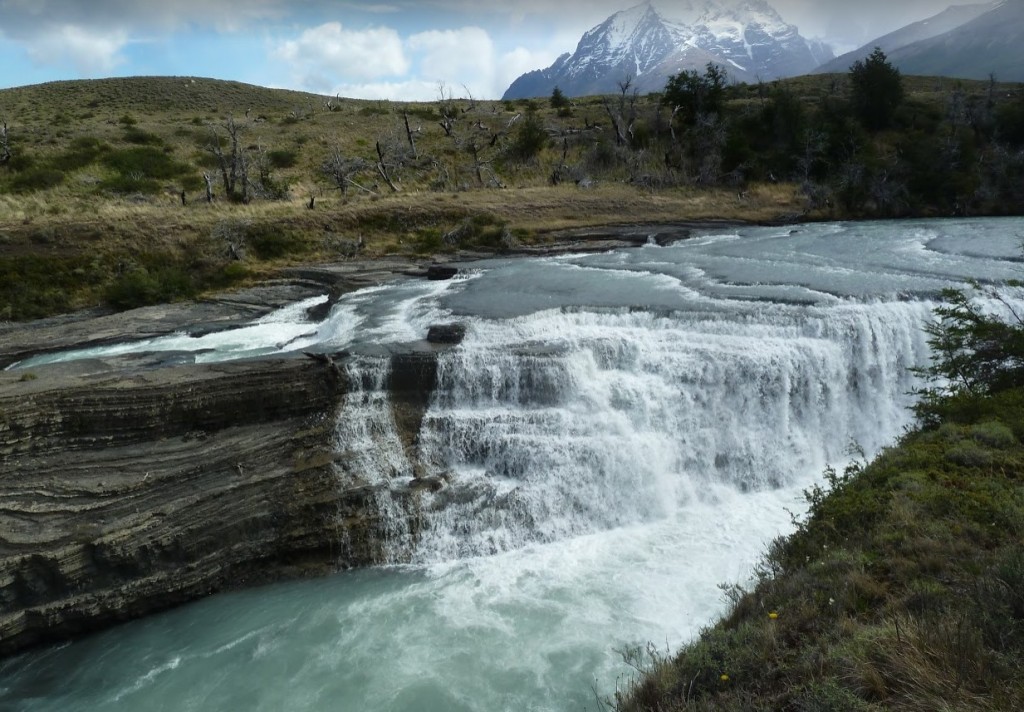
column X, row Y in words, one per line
column 658, row 38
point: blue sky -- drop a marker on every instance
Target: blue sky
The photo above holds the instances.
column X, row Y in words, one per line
column 393, row 49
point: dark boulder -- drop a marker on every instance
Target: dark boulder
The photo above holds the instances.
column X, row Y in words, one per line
column 441, row 272
column 446, row 333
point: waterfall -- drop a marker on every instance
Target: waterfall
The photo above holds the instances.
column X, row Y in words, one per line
column 571, row 421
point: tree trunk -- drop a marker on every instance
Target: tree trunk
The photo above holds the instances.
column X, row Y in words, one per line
column 209, row 187
column 408, row 134
column 382, row 168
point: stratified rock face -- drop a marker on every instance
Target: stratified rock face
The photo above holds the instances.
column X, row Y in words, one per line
column 124, row 494
column 654, row 40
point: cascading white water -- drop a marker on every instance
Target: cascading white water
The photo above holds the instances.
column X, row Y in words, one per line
column 618, row 432
column 568, row 422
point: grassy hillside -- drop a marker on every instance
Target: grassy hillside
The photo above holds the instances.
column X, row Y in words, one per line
column 103, row 197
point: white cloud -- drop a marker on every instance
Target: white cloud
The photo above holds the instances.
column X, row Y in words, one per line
column 92, row 52
column 464, row 57
column 409, row 90
column 519, row 61
column 322, row 55
column 331, row 59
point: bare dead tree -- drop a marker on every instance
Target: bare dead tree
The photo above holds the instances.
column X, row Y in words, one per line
column 382, row 168
column 231, row 164
column 482, row 165
column 409, row 135
column 563, row 165
column 623, row 113
column 5, row 145
column 471, row 99
column 342, row 171
column 449, row 112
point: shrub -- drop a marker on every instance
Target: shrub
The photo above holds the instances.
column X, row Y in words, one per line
column 33, row 179
column 283, row 158
column 142, row 287
column 130, row 184
column 270, row 243
column 994, row 434
column 530, row 139
column 83, row 152
column 975, row 354
column 145, row 161
column 142, row 138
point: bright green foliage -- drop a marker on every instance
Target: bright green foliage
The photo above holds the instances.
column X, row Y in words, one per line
column 693, row 94
column 975, row 354
column 877, row 90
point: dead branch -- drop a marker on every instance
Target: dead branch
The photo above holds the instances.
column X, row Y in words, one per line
column 382, row 168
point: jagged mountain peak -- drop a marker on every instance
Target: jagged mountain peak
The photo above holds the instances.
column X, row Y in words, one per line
column 657, row 38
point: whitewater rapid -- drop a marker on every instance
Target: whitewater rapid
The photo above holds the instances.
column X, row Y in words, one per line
column 618, row 434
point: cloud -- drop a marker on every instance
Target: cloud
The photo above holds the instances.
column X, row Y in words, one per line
column 409, row 90
column 27, row 19
column 379, row 64
column 92, row 53
column 464, row 56
column 323, row 54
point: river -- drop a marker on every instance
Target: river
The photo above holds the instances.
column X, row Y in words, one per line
column 619, row 433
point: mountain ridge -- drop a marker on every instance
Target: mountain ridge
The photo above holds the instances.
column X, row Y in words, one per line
column 653, row 40
column 948, row 20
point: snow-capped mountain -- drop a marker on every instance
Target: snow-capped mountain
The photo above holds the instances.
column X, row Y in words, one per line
column 658, row 38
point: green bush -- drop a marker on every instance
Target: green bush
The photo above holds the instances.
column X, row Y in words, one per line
column 34, row 179
column 142, row 287
column 146, row 161
column 976, row 354
column 84, row 151
column 530, row 139
column 33, row 286
column 269, row 242
column 141, row 138
column 129, row 185
column 283, row 158
column 994, row 434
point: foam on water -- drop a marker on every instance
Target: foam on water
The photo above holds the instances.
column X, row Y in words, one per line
column 619, row 433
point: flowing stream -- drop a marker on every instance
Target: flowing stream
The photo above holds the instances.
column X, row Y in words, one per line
column 618, row 433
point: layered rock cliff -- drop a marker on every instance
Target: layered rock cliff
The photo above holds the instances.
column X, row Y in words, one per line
column 126, row 491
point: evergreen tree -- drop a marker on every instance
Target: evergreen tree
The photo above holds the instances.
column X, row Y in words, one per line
column 558, row 99
column 877, row 90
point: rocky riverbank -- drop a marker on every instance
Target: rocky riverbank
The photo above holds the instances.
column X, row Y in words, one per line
column 133, row 483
